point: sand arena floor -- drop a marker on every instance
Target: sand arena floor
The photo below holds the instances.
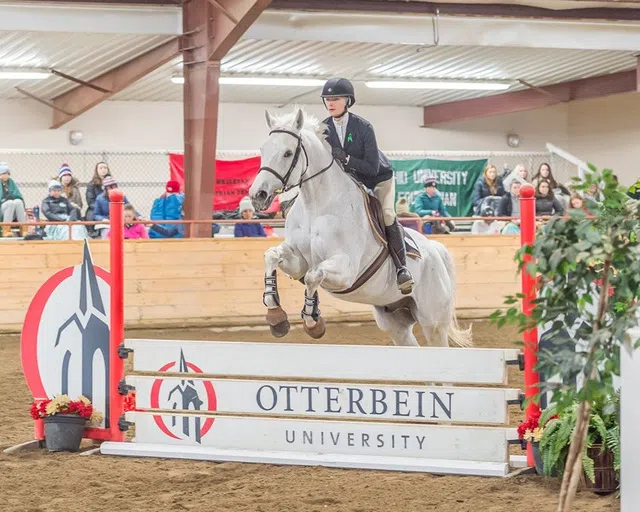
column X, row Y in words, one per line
column 43, row 482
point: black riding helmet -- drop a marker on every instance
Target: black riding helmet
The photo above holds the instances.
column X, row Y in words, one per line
column 336, row 87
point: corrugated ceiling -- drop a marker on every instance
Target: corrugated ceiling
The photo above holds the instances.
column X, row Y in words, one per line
column 88, row 55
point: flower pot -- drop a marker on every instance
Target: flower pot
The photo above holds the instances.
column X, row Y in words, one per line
column 63, row 432
column 537, row 457
column 605, row 481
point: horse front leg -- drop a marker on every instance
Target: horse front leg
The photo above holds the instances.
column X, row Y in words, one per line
column 289, row 261
column 335, row 273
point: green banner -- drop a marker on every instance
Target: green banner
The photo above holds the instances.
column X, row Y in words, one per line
column 455, row 178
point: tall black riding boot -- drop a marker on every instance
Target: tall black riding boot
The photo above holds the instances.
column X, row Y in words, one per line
column 399, row 256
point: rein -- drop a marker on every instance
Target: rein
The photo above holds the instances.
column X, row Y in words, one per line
column 300, row 147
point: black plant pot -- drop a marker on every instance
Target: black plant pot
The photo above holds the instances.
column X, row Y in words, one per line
column 537, row 457
column 63, row 432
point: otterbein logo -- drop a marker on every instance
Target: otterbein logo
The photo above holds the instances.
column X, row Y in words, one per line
column 187, row 395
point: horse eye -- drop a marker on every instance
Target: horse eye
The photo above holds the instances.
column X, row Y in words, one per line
column 288, row 153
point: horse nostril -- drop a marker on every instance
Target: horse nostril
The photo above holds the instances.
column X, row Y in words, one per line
column 262, row 195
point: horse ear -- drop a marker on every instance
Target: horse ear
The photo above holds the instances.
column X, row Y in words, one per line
column 299, row 123
column 269, row 119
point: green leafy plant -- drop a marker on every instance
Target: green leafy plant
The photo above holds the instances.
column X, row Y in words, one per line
column 604, row 429
column 587, row 266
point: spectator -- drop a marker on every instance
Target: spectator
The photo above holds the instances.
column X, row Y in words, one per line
column 546, row 202
column 57, row 208
column 520, row 172
column 544, row 173
column 577, row 203
column 101, row 211
column 168, row 207
column 131, row 231
column 429, row 204
column 406, row 217
column 11, row 201
column 593, row 193
column 509, row 205
column 70, row 188
column 487, row 226
column 244, row 229
column 487, row 185
column 94, row 190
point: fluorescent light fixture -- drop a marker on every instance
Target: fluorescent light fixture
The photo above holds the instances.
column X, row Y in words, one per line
column 258, row 80
column 439, row 84
column 18, row 74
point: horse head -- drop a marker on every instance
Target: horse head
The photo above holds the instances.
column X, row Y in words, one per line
column 285, row 157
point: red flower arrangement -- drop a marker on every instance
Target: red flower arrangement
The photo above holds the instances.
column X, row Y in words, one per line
column 62, row 404
column 130, row 402
column 530, row 430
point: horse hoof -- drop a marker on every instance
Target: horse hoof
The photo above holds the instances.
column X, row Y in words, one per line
column 317, row 331
column 278, row 322
column 280, row 330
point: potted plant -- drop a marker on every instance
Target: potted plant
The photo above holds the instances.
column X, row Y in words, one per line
column 64, row 421
column 530, row 432
column 601, row 457
column 587, row 269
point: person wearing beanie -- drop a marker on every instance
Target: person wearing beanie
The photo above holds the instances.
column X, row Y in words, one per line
column 11, row 201
column 57, row 208
column 70, row 187
column 246, row 229
column 168, row 207
column 94, row 190
column 101, row 211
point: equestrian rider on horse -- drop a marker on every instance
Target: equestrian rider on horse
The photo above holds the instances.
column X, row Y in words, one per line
column 354, row 145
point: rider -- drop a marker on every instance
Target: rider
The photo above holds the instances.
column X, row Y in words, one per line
column 354, row 145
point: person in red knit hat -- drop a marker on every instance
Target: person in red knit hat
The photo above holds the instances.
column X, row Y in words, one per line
column 168, row 207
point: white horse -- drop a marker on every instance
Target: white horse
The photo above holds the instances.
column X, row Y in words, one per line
column 329, row 243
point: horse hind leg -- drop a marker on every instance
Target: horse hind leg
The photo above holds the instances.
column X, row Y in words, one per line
column 398, row 324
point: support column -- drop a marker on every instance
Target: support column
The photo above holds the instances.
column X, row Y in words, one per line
column 211, row 28
column 201, row 97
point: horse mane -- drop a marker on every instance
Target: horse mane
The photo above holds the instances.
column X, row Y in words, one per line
column 312, row 125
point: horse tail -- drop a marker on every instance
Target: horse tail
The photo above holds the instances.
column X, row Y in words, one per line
column 459, row 336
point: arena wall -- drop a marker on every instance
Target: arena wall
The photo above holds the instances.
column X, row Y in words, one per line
column 218, row 282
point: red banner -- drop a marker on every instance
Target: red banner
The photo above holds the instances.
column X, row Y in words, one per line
column 233, row 180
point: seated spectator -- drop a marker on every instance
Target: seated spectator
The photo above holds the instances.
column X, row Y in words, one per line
column 168, row 207
column 546, row 202
column 101, row 211
column 11, row 201
column 131, row 231
column 577, row 203
column 94, row 190
column 70, row 188
column 429, row 204
column 57, row 208
column 489, row 184
column 406, row 217
column 509, row 205
column 520, row 172
column 244, row 229
column 488, row 226
column 544, row 173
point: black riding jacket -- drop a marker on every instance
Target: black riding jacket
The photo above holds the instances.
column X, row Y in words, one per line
column 366, row 162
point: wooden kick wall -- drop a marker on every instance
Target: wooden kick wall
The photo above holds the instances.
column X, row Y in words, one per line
column 220, row 281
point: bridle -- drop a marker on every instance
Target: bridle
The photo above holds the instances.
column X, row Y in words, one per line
column 296, row 156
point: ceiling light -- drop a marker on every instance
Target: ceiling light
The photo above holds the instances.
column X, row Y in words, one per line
column 17, row 74
column 440, row 84
column 257, row 80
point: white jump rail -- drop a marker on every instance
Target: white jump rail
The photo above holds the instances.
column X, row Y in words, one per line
column 345, row 406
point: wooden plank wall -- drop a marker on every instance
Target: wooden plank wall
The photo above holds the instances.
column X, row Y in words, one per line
column 220, row 281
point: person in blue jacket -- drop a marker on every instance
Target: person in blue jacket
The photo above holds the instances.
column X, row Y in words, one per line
column 168, row 207
column 101, row 211
column 429, row 204
column 248, row 229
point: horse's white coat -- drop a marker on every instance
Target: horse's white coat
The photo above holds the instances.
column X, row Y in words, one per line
column 329, row 242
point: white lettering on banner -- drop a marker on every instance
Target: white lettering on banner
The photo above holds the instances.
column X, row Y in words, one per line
column 402, row 178
column 450, row 198
column 443, row 177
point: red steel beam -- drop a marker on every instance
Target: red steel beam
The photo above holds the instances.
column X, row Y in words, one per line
column 529, row 99
column 209, row 35
column 499, row 10
column 80, row 99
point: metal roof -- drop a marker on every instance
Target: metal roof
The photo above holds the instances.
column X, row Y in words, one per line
column 87, row 55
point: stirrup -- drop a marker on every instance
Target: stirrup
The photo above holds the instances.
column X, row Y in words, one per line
column 405, row 287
